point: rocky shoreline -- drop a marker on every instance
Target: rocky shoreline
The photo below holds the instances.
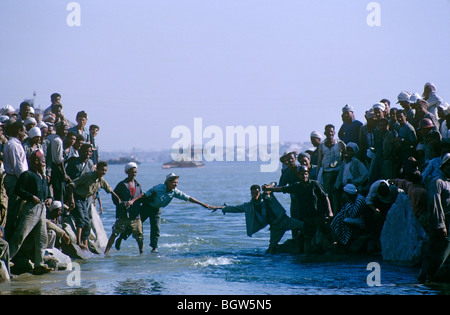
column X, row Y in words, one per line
column 61, row 258
column 402, row 242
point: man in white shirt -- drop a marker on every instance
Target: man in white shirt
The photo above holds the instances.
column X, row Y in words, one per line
column 56, row 159
column 15, row 163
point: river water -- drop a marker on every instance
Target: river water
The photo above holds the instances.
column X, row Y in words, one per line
column 205, row 253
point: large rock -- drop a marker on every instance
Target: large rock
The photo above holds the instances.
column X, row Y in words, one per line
column 98, row 238
column 402, row 237
column 4, row 275
column 55, row 259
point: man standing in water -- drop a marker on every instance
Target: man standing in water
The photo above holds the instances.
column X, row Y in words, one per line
column 158, row 197
column 314, row 209
column 127, row 217
column 263, row 210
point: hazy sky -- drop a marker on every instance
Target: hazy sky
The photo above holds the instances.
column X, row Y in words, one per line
column 142, row 67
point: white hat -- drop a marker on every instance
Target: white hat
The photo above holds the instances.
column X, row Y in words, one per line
column 3, row 118
column 347, row 108
column 380, row 106
column 316, row 134
column 42, row 124
column 29, row 121
column 56, row 204
column 403, row 96
column 49, row 118
column 171, row 175
column 34, row 132
column 414, row 98
column 129, row 166
column 350, row 189
column 7, row 109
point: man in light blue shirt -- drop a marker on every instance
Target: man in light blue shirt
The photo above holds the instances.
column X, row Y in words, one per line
column 158, row 197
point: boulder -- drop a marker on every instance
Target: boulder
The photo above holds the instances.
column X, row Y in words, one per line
column 402, row 237
column 98, row 238
column 74, row 251
column 4, row 275
column 55, row 259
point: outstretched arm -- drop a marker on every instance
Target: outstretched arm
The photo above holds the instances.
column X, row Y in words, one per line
column 204, row 205
column 267, row 188
column 130, row 202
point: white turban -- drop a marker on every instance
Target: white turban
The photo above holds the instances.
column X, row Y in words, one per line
column 380, row 106
column 34, row 132
column 129, row 166
column 30, row 121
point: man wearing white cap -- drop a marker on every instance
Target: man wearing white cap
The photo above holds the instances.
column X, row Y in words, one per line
column 349, row 131
column 32, row 143
column 158, row 197
column 404, row 99
column 29, row 123
column 8, row 110
column 128, row 219
column 434, row 100
column 379, row 110
column 316, row 140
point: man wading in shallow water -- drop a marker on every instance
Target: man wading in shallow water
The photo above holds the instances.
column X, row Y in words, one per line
column 128, row 220
column 263, row 210
column 158, row 197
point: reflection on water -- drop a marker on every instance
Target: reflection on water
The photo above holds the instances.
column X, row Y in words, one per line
column 138, row 287
column 204, row 253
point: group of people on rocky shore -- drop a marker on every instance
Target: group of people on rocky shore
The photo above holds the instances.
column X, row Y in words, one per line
column 49, row 173
column 340, row 191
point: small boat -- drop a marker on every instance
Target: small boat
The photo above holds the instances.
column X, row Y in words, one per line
column 181, row 163
column 124, row 160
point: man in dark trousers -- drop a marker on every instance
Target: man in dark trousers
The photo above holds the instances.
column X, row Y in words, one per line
column 314, row 209
column 263, row 210
column 128, row 220
column 32, row 187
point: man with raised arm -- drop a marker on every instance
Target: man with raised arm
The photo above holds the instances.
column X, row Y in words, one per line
column 158, row 197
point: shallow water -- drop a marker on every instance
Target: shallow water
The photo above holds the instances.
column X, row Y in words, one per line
column 204, row 253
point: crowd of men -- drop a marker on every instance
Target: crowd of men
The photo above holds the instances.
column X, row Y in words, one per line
column 341, row 192
column 398, row 149
column 45, row 160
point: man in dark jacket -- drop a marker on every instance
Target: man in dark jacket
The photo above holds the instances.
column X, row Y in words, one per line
column 32, row 187
column 314, row 208
column 128, row 219
column 263, row 210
